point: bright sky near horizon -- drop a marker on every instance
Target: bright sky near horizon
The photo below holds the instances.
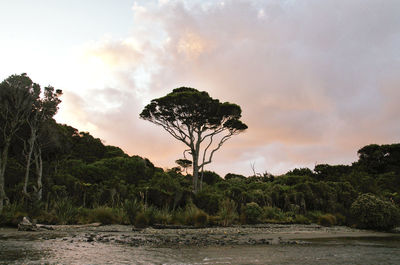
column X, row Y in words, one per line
column 316, row 80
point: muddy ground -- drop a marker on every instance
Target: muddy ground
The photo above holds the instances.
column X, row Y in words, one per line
column 235, row 235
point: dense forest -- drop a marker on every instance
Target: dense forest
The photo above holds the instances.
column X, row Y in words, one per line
column 56, row 174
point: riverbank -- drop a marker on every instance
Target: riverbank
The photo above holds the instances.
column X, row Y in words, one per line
column 266, row 234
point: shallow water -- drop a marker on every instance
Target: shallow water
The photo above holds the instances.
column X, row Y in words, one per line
column 318, row 251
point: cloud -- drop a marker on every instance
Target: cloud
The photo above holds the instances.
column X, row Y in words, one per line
column 316, row 80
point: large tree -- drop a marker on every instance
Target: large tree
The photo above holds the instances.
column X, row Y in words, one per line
column 17, row 94
column 202, row 123
column 43, row 109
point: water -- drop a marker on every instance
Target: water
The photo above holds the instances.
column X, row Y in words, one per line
column 321, row 251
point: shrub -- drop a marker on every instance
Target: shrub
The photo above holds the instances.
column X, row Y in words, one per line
column 340, row 219
column 252, row 212
column 370, row 212
column 189, row 213
column 132, row 208
column 66, row 213
column 120, row 216
column 227, row 212
column 178, row 217
column 214, row 220
column 273, row 214
column 141, row 220
column 327, row 220
column 102, row 215
column 207, row 202
column 83, row 215
column 313, row 216
column 47, row 218
column 163, row 216
column 301, row 219
column 200, row 219
column 151, row 214
column 12, row 214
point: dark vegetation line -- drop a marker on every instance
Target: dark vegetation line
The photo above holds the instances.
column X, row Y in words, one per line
column 58, row 175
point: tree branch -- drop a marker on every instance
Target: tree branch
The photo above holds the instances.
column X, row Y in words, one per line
column 223, row 140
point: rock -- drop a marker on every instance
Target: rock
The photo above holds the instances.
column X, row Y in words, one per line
column 26, row 225
column 396, row 230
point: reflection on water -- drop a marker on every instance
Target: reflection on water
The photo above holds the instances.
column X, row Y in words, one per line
column 322, row 251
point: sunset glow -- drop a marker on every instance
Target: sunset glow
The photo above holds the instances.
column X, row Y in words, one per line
column 316, row 80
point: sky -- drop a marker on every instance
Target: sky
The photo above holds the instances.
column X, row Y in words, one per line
column 316, row 80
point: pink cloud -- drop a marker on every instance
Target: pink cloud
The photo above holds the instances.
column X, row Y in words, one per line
column 315, row 79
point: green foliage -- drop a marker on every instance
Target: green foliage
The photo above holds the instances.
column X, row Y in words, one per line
column 200, row 219
column 378, row 159
column 65, row 211
column 291, row 180
column 49, row 218
column 300, row 172
column 163, row 216
column 103, row 215
column 231, row 176
column 313, row 216
column 141, row 220
column 211, row 178
column 132, row 208
column 86, row 181
column 273, row 214
column 12, row 215
column 371, row 212
column 301, row 219
column 207, row 201
column 252, row 213
column 327, row 220
column 227, row 212
column 340, row 219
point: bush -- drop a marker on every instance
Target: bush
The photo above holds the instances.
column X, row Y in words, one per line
column 313, row 216
column 227, row 212
column 132, row 208
column 151, row 214
column 200, row 219
column 252, row 213
column 141, row 220
column 47, row 218
column 340, row 219
column 163, row 216
column 66, row 213
column 370, row 212
column 102, row 215
column 189, row 213
column 327, row 220
column 273, row 214
column 12, row 214
column 207, row 201
column 301, row 219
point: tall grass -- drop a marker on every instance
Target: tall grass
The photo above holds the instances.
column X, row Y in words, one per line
column 132, row 208
column 12, row 214
column 227, row 212
column 65, row 211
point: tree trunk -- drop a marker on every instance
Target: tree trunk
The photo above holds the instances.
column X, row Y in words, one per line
column 39, row 173
column 31, row 143
column 201, row 179
column 3, row 164
column 195, row 171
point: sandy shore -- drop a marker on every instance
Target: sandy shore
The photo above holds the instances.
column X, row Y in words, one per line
column 235, row 235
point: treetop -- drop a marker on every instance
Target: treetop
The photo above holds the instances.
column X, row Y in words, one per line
column 191, row 107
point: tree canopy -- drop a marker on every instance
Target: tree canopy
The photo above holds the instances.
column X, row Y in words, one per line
column 196, row 119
